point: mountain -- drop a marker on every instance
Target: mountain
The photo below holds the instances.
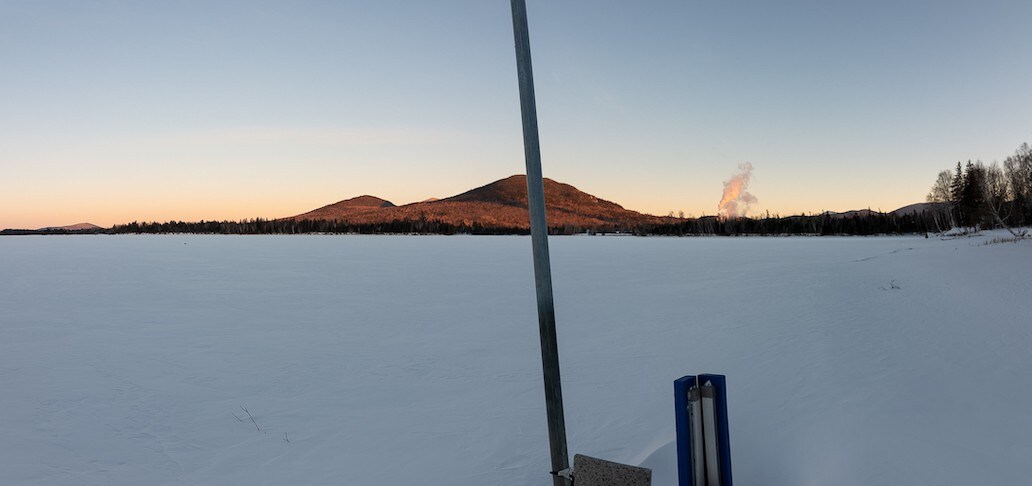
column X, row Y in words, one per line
column 500, row 204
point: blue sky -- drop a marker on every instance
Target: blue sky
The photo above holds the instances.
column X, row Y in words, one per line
column 119, row 111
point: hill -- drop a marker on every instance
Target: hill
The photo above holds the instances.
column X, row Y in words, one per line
column 501, row 205
column 346, row 208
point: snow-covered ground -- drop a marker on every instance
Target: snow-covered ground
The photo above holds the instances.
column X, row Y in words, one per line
column 126, row 360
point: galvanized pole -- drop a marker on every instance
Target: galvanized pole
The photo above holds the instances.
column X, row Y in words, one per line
column 539, row 240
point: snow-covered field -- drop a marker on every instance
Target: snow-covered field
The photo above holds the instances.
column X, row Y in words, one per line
column 392, row 360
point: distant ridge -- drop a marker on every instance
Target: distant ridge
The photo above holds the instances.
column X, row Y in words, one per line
column 852, row 214
column 918, row 208
column 342, row 209
column 72, row 227
column 500, row 204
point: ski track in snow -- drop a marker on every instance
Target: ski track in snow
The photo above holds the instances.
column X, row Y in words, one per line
column 415, row 360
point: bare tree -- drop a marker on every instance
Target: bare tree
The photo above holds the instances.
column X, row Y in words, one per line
column 942, row 193
column 994, row 185
column 994, row 193
column 1018, row 172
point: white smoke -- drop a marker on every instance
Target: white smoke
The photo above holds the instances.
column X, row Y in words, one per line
column 736, row 200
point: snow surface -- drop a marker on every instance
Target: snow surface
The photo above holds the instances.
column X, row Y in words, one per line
column 125, row 360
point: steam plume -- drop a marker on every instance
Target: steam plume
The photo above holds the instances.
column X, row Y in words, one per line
column 736, row 200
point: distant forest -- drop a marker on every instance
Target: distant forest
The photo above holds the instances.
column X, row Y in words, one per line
column 825, row 224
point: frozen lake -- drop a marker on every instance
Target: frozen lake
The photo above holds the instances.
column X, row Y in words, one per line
column 127, row 360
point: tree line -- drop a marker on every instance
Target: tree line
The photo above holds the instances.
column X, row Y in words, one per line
column 818, row 224
column 863, row 223
column 260, row 226
column 979, row 195
column 824, row 224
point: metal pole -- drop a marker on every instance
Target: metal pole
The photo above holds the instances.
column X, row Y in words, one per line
column 539, row 240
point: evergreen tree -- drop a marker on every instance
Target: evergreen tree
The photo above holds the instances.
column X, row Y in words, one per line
column 956, row 193
column 972, row 200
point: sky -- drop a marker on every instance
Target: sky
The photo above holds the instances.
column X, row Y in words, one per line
column 115, row 111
